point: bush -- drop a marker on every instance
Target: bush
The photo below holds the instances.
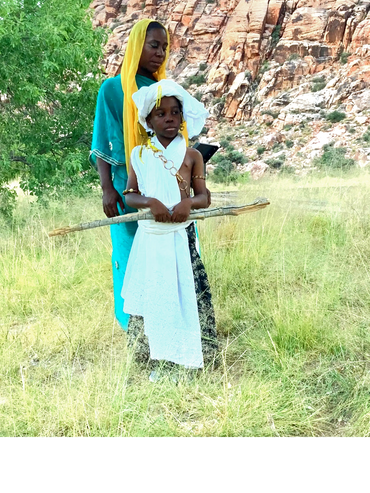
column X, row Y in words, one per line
column 275, row 35
column 198, row 95
column 203, row 66
column 7, row 201
column 225, row 144
column 335, row 116
column 236, row 157
column 276, row 147
column 333, row 158
column 293, row 56
column 344, row 57
column 196, row 79
column 274, row 114
column 260, row 150
column 277, row 162
column 289, row 143
column 287, row 127
column 264, row 67
column 224, row 171
column 366, row 136
column 318, row 86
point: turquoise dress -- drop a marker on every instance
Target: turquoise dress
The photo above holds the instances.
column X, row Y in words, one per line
column 108, row 144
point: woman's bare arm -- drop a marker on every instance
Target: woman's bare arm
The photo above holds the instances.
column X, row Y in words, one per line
column 110, row 195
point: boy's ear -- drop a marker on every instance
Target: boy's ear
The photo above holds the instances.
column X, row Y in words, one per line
column 148, row 122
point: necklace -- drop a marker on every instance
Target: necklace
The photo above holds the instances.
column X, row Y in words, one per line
column 170, row 166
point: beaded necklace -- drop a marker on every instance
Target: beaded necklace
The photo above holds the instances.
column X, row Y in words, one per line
column 170, row 166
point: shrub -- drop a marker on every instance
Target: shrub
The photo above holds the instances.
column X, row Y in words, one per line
column 260, row 150
column 274, row 114
column 226, row 144
column 344, row 57
column 318, row 86
column 289, row 143
column 198, row 95
column 276, row 147
column 203, row 66
column 333, row 158
column 366, row 136
column 335, row 116
column 264, row 67
column 287, row 127
column 196, row 79
column 275, row 35
column 236, row 156
column 276, row 162
column 224, row 171
column 293, row 56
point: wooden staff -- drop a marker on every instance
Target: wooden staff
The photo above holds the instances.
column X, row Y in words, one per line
column 230, row 210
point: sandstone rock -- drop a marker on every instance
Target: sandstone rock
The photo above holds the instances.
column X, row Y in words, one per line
column 321, row 139
column 233, row 36
column 362, row 119
column 257, row 169
column 307, row 23
column 361, row 35
column 361, row 100
column 270, row 139
column 306, row 103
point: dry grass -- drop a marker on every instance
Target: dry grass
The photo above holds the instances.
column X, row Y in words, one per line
column 291, row 292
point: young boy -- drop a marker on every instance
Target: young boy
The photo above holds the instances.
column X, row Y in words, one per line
column 165, row 282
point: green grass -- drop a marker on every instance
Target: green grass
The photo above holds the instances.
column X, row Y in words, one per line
column 291, row 291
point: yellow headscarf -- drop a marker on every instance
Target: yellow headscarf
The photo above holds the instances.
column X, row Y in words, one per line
column 128, row 72
column 131, row 133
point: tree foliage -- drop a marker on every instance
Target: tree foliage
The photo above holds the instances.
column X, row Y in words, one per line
column 49, row 77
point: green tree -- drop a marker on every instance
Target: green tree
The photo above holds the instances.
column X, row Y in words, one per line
column 49, row 77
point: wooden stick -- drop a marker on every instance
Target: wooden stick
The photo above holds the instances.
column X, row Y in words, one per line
column 230, row 210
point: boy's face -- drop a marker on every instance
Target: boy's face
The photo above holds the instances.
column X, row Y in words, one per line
column 166, row 120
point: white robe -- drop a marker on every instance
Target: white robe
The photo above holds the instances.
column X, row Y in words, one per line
column 159, row 282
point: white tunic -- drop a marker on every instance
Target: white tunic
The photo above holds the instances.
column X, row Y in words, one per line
column 159, row 283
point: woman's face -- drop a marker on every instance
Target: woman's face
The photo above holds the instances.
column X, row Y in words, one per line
column 154, row 52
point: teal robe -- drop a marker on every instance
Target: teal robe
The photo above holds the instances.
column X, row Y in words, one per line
column 108, row 144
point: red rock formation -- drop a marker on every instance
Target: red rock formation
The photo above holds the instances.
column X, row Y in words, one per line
column 235, row 38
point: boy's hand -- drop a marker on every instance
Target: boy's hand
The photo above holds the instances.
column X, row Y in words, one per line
column 208, row 197
column 160, row 212
column 181, row 211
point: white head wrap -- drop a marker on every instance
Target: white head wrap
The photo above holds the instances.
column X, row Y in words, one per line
column 194, row 112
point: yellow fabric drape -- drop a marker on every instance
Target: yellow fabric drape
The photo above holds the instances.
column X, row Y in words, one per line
column 130, row 66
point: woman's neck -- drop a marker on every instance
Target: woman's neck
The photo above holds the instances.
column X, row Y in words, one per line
column 145, row 73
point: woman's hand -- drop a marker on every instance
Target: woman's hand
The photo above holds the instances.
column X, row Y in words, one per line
column 160, row 212
column 110, row 199
column 181, row 211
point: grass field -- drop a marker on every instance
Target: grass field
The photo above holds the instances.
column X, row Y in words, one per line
column 291, row 292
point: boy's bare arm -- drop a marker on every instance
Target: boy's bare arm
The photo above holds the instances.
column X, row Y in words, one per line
column 137, row 201
column 200, row 200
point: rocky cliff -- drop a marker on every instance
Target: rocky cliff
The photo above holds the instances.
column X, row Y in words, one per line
column 271, row 62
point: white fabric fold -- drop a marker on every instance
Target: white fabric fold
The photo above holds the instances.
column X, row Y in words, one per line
column 159, row 282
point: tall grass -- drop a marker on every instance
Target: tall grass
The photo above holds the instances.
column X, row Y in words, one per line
column 291, row 291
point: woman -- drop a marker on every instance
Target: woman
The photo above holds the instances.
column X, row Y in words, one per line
column 116, row 133
column 144, row 64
